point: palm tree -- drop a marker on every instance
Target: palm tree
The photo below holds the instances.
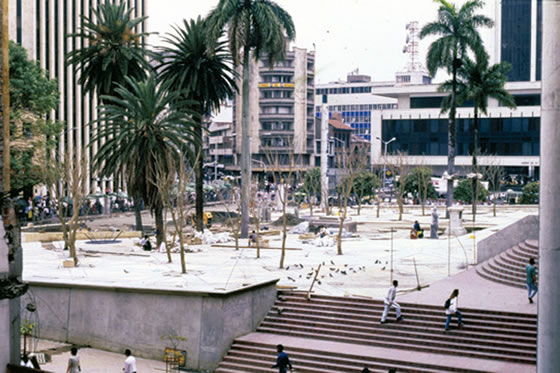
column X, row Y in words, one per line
column 203, row 72
column 149, row 134
column 257, row 26
column 458, row 34
column 111, row 50
column 477, row 82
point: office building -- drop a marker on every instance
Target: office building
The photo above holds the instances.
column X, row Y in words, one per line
column 281, row 111
column 42, row 28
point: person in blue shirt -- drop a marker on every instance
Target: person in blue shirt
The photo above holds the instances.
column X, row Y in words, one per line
column 531, row 279
column 282, row 361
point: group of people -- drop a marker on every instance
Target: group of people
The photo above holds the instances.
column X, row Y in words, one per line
column 450, row 307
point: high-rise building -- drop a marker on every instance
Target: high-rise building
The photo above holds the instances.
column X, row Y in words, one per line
column 42, row 28
column 281, row 110
column 519, row 37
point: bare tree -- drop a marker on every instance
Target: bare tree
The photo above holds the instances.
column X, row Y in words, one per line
column 400, row 168
column 494, row 172
column 256, row 203
column 351, row 162
column 282, row 167
column 311, row 185
column 172, row 182
column 67, row 180
column 233, row 218
column 365, row 184
column 423, row 175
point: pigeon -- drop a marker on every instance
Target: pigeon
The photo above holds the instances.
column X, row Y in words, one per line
column 383, row 268
column 330, row 274
column 288, row 267
column 289, row 278
column 319, row 282
column 125, row 271
column 332, row 262
column 343, row 272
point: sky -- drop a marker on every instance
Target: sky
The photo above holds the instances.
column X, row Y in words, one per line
column 368, row 35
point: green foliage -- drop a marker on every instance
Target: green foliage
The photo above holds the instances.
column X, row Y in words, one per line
column 312, row 181
column 26, row 327
column 365, row 184
column 111, row 50
column 148, row 134
column 530, row 193
column 463, row 191
column 457, row 34
column 414, row 182
column 30, row 89
column 258, row 25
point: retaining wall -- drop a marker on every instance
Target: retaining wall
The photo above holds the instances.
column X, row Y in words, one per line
column 521, row 230
column 115, row 318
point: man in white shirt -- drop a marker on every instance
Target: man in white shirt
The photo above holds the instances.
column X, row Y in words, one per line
column 390, row 301
column 129, row 362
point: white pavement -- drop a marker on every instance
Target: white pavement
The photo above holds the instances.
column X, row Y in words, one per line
column 363, row 270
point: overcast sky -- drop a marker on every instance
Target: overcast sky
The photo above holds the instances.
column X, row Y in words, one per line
column 349, row 34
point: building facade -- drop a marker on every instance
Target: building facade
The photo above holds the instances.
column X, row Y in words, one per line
column 42, row 28
column 281, row 111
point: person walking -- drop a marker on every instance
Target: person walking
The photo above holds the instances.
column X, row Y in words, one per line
column 531, row 279
column 74, row 362
column 451, row 309
column 390, row 301
column 129, row 362
column 282, row 361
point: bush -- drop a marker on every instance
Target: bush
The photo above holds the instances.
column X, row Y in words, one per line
column 530, row 194
column 463, row 192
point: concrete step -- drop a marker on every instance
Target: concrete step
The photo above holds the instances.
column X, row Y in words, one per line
column 417, row 323
column 481, row 270
column 516, row 356
column 534, row 244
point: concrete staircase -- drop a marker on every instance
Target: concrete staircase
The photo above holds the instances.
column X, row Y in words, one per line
column 333, row 334
column 508, row 268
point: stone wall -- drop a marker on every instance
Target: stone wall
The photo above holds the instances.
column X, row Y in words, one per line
column 521, row 230
column 115, row 318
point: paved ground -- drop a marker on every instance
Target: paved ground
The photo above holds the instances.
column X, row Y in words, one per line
column 363, row 270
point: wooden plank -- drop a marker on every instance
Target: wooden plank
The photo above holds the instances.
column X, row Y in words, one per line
column 254, row 247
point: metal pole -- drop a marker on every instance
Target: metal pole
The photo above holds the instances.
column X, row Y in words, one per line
column 6, row 96
column 391, row 254
column 449, row 248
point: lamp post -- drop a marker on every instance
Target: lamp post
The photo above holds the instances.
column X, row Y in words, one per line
column 385, row 143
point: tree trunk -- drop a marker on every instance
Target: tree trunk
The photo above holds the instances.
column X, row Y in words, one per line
column 182, row 247
column 494, row 205
column 452, row 136
column 475, row 163
column 284, row 225
column 378, row 205
column 340, row 228
column 138, row 214
column 401, row 209
column 359, row 205
column 160, row 237
column 199, row 188
column 245, row 147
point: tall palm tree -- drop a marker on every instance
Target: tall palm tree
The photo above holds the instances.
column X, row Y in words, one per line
column 111, row 50
column 458, row 34
column 258, row 27
column 149, row 133
column 203, row 71
column 477, row 82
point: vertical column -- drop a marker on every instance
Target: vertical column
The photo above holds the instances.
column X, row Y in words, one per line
column 548, row 341
column 70, row 99
column 60, row 76
column 533, row 62
column 78, row 99
column 324, row 158
column 42, row 35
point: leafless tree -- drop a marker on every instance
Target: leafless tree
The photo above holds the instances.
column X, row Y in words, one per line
column 494, row 172
column 172, row 181
column 256, row 203
column 66, row 178
column 350, row 161
column 424, row 180
column 400, row 168
column 282, row 167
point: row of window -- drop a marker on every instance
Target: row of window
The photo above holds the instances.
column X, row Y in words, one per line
column 276, row 94
column 342, row 90
column 276, row 110
column 276, row 78
column 367, row 107
column 500, row 136
column 277, row 126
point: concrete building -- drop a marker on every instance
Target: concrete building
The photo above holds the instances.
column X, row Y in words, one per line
column 218, row 143
column 281, row 110
column 42, row 26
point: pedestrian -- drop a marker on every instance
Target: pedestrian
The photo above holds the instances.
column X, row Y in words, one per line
column 129, row 362
column 531, row 279
column 282, row 361
column 451, row 309
column 145, row 243
column 73, row 362
column 390, row 301
column 25, row 362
